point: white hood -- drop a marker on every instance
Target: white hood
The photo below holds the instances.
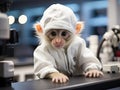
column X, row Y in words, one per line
column 58, row 16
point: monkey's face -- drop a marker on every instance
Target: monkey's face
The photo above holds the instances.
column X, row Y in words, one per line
column 58, row 38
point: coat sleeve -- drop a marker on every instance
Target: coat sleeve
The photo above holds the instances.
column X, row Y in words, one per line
column 43, row 63
column 87, row 59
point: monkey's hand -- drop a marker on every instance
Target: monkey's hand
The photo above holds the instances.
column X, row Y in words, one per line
column 93, row 73
column 58, row 77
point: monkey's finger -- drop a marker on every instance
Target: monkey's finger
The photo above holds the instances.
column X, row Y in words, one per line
column 93, row 74
column 61, row 80
column 85, row 73
column 98, row 74
column 88, row 74
column 65, row 79
column 55, row 80
column 101, row 73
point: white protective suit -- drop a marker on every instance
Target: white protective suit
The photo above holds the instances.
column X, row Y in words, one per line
column 75, row 59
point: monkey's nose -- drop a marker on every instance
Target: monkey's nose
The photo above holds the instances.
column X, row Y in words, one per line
column 58, row 40
column 58, row 43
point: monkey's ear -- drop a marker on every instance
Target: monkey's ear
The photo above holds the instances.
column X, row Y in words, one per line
column 79, row 27
column 38, row 27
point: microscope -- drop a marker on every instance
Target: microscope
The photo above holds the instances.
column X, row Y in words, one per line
column 7, row 39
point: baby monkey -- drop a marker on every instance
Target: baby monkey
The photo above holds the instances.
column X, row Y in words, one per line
column 62, row 52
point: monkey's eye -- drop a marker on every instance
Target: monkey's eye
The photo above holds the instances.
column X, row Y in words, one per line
column 53, row 33
column 63, row 33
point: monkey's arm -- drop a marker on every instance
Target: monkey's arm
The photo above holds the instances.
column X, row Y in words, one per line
column 90, row 64
column 43, row 63
column 44, row 67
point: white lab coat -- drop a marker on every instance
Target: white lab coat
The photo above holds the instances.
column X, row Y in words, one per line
column 75, row 60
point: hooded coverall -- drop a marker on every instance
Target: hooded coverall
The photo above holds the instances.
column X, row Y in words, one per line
column 74, row 60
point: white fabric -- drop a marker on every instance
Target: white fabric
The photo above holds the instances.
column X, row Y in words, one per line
column 58, row 16
column 73, row 61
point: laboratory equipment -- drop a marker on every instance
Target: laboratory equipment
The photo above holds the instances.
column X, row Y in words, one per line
column 108, row 50
column 7, row 41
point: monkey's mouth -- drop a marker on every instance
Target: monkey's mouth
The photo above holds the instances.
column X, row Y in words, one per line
column 58, row 46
